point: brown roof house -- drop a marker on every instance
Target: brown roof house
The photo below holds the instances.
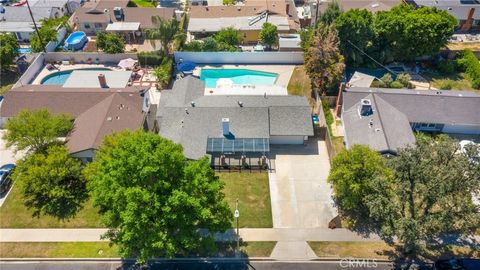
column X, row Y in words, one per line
column 97, row 112
column 115, row 16
column 248, row 18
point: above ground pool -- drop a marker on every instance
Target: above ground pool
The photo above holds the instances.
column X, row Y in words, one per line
column 75, row 41
column 59, row 78
column 212, row 77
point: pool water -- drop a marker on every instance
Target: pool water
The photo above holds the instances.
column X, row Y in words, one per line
column 24, row 50
column 237, row 76
column 59, row 78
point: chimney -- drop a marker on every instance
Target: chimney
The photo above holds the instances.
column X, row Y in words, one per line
column 102, row 80
column 366, row 107
column 226, row 126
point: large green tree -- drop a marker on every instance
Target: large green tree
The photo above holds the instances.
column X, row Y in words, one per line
column 411, row 32
column 36, row 130
column 8, row 50
column 152, row 199
column 229, row 36
column 52, row 183
column 165, row 31
column 110, row 42
column 47, row 34
column 354, row 175
column 323, row 61
column 331, row 13
column 431, row 194
column 269, row 34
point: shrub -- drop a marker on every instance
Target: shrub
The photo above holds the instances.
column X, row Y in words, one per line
column 386, row 80
column 328, row 114
column 110, row 42
column 397, row 84
column 150, row 58
column 446, row 84
column 446, row 67
column 403, row 79
column 164, row 72
column 469, row 63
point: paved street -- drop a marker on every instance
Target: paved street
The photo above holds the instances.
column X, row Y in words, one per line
column 196, row 265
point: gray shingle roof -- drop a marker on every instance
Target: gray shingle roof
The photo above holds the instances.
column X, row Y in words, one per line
column 258, row 117
column 395, row 109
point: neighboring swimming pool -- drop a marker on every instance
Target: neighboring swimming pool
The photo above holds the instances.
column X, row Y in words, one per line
column 59, row 78
column 237, row 76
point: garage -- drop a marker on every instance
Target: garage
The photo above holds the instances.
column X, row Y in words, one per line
column 286, row 139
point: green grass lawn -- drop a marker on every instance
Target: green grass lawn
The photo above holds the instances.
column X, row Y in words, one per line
column 7, row 80
column 251, row 189
column 13, row 214
column 378, row 250
column 253, row 193
column 104, row 250
column 144, row 3
column 338, row 144
column 299, row 84
column 457, row 81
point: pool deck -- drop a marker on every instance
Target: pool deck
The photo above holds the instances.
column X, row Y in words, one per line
column 280, row 88
column 45, row 72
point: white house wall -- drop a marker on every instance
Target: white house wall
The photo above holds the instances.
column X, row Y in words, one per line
column 461, row 129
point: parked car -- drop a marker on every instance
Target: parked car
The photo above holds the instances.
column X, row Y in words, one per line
column 457, row 264
column 5, row 177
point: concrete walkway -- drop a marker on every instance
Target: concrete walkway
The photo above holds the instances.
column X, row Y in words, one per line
column 247, row 235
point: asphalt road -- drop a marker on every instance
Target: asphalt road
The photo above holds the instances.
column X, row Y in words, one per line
column 196, row 265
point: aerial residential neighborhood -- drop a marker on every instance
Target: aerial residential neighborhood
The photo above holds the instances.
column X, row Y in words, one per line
column 240, row 134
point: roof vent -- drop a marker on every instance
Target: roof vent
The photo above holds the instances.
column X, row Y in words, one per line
column 240, row 103
column 366, row 107
column 117, row 118
column 109, row 119
column 370, row 123
column 192, row 103
column 239, row 8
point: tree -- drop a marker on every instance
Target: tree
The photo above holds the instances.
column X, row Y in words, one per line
column 160, row 199
column 411, row 32
column 47, row 34
column 228, row 2
column 110, row 42
column 165, row 31
column 431, row 193
column 352, row 176
column 330, row 14
column 323, row 61
column 229, row 36
column 269, row 34
column 8, row 50
column 356, row 34
column 163, row 72
column 36, row 130
column 51, row 183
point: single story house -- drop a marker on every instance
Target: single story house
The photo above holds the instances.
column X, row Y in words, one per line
column 96, row 112
column 466, row 12
column 67, row 7
column 219, row 125
column 17, row 20
column 248, row 19
column 115, row 16
column 386, row 119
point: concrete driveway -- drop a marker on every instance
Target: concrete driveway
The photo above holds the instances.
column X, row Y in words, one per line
column 300, row 194
column 6, row 156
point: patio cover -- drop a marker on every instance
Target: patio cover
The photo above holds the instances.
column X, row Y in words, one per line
column 123, row 26
column 361, row 80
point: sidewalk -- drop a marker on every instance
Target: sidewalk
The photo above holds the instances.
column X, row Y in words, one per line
column 247, row 235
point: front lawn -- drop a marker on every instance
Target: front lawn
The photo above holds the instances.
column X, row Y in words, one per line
column 144, row 3
column 378, row 250
column 104, row 250
column 13, row 214
column 253, row 193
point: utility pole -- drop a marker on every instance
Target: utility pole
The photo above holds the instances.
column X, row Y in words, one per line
column 36, row 28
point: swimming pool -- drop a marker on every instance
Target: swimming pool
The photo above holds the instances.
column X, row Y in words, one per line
column 24, row 50
column 237, row 76
column 59, row 78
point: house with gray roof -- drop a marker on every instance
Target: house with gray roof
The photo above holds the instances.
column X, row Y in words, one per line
column 386, row 119
column 230, row 125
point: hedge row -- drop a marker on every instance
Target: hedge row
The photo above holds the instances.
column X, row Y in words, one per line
column 150, row 58
column 469, row 63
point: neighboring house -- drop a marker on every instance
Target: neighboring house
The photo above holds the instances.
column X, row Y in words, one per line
column 230, row 125
column 17, row 20
column 314, row 7
column 386, row 119
column 248, row 19
column 97, row 112
column 66, row 7
column 466, row 12
column 115, row 16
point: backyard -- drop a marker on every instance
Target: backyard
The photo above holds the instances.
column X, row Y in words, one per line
column 143, row 3
column 7, row 80
column 299, row 84
column 455, row 81
column 251, row 189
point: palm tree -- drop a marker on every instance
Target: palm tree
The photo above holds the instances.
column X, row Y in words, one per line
column 323, row 61
column 165, row 31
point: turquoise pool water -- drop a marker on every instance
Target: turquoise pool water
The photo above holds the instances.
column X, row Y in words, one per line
column 59, row 78
column 238, row 76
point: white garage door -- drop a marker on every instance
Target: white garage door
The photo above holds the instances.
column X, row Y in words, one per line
column 286, row 139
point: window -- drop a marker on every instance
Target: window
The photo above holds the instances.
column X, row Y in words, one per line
column 98, row 25
column 86, row 25
column 431, row 125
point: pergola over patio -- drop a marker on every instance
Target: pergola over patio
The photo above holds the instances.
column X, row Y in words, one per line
column 126, row 29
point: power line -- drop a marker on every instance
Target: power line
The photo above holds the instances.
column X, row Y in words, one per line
column 36, row 28
column 373, row 59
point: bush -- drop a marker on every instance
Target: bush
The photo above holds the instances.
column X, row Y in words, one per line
column 150, row 58
column 446, row 67
column 446, row 84
column 469, row 63
column 164, row 72
column 396, row 84
column 386, row 80
column 328, row 114
column 403, row 79
column 110, row 42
